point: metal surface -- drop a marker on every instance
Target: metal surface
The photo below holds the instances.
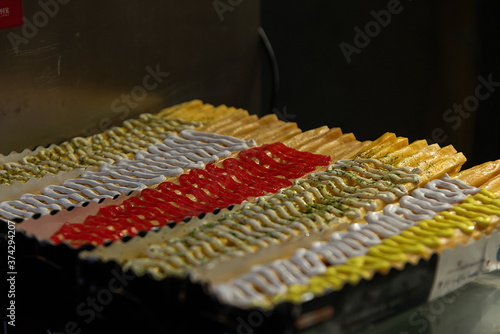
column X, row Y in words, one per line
column 76, row 67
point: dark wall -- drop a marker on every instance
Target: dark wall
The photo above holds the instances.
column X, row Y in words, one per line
column 403, row 80
column 77, row 67
column 487, row 129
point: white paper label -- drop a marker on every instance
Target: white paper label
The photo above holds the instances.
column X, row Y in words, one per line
column 492, row 254
column 456, row 267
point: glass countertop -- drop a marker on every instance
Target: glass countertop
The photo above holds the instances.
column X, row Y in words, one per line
column 472, row 309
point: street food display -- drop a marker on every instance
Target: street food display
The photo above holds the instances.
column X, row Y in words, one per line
column 257, row 213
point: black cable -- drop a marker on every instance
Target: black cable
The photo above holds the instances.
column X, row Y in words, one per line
column 274, row 67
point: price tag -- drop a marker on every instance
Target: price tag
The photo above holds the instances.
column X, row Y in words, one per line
column 462, row 264
column 458, row 266
column 492, row 254
column 11, row 13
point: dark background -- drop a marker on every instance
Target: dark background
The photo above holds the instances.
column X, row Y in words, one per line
column 427, row 59
column 88, row 53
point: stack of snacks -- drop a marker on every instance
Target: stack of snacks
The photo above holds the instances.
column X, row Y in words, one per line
column 259, row 212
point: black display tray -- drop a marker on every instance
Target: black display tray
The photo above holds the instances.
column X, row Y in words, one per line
column 346, row 311
column 58, row 292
